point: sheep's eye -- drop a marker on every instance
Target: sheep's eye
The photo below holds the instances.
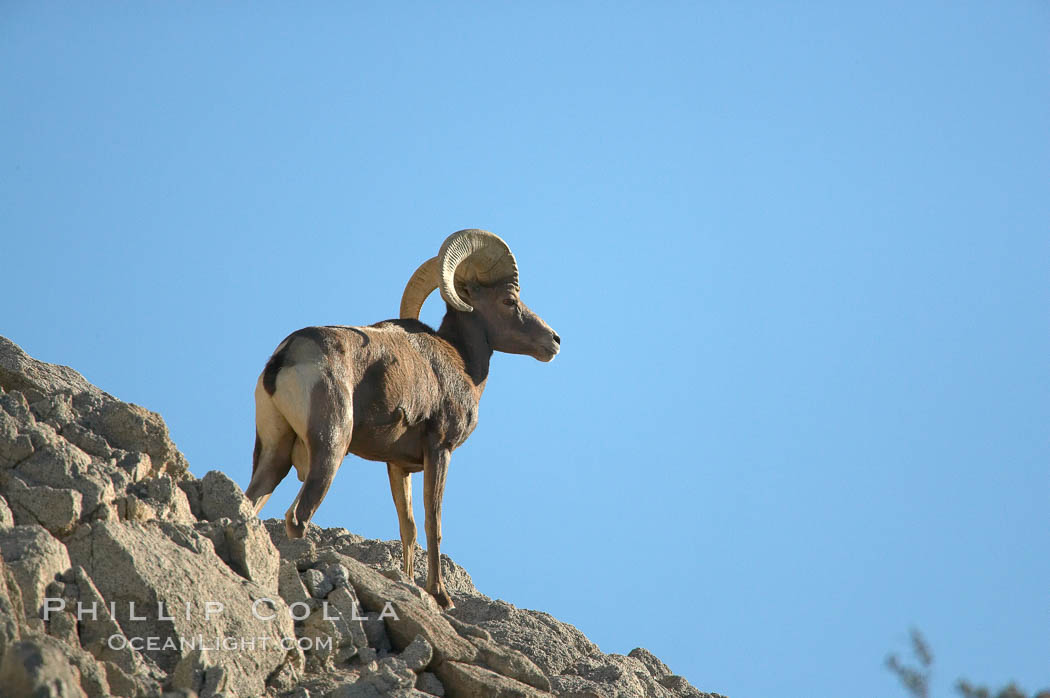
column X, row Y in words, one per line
column 510, row 302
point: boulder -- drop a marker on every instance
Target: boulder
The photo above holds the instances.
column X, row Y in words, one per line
column 15, row 444
column 133, row 428
column 656, row 668
column 316, row 583
column 138, row 564
column 410, row 616
column 35, row 667
column 342, row 602
column 244, row 545
column 222, row 498
column 619, row 675
column 34, row 559
column 56, row 509
column 58, row 464
column 290, row 586
column 12, row 613
column 19, row 371
column 509, row 662
column 429, row 683
column 552, row 645
column 98, row 627
column 7, row 518
column 418, row 654
column 461, row 679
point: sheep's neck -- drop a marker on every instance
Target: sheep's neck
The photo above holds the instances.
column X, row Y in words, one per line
column 466, row 333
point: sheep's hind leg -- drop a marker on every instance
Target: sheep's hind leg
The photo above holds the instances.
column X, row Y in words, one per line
column 401, row 488
column 271, row 464
column 273, row 448
column 324, row 462
column 327, row 439
column 435, row 470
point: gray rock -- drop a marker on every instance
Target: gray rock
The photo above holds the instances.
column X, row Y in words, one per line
column 395, row 575
column 14, row 404
column 222, row 498
column 59, row 464
column 681, row 688
column 387, row 677
column 569, row 686
column 429, row 683
column 139, row 564
column 191, row 487
column 468, row 630
column 657, row 669
column 34, row 558
column 300, row 551
column 244, row 545
column 31, row 668
column 34, row 667
column 62, row 625
column 297, row 692
column 168, row 500
column 89, row 442
column 197, row 672
column 92, row 674
column 509, row 662
column 382, row 555
column 337, row 576
column 411, row 616
column 252, row 554
column 15, row 444
column 317, row 583
column 133, row 428
column 123, row 685
column 97, row 626
column 19, row 371
column 375, row 631
column 461, row 679
column 418, row 654
column 321, row 638
column 12, row 614
column 56, row 509
column 621, row 675
column 343, row 603
column 552, row 645
column 6, row 517
column 131, row 508
column 61, row 396
column 136, row 464
column 288, row 677
column 55, row 409
column 290, row 586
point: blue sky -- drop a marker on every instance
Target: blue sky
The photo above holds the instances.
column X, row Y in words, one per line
column 797, row 257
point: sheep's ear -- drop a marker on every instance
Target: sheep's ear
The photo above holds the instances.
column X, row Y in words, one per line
column 470, row 290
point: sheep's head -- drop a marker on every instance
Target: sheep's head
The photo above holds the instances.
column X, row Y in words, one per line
column 476, row 273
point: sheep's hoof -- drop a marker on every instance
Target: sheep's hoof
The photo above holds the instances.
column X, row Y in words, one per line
column 295, row 529
column 443, row 599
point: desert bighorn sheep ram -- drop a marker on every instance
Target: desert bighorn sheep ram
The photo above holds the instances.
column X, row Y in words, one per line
column 397, row 391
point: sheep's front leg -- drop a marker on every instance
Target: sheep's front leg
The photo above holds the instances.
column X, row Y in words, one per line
column 435, row 469
column 401, row 488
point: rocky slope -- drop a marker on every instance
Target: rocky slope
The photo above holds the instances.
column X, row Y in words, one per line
column 122, row 574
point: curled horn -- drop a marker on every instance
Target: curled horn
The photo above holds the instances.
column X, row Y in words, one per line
column 467, row 256
column 423, row 281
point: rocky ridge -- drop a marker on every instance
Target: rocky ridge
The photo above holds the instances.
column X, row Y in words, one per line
column 124, row 575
